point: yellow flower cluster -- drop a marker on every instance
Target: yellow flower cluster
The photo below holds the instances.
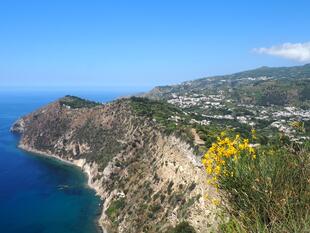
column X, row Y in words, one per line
column 226, row 150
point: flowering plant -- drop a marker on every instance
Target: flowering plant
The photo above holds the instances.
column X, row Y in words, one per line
column 225, row 153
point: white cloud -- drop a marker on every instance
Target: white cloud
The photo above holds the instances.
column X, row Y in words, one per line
column 298, row 51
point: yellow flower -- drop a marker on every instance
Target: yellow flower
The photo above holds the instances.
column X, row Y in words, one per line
column 225, row 150
column 215, row 202
column 217, row 170
column 251, row 150
column 242, row 146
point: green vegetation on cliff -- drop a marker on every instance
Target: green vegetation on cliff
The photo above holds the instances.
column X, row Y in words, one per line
column 76, row 102
column 183, row 227
column 158, row 110
column 165, row 115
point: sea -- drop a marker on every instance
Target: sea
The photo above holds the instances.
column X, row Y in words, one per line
column 40, row 194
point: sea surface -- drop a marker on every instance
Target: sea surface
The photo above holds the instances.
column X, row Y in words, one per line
column 40, row 194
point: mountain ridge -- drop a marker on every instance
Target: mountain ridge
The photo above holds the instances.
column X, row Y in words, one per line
column 149, row 181
column 250, row 84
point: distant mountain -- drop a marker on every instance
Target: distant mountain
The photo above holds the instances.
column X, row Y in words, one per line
column 262, row 86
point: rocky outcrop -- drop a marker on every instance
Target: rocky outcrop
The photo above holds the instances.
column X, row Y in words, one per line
column 148, row 181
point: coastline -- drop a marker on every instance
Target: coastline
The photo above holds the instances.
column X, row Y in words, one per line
column 77, row 163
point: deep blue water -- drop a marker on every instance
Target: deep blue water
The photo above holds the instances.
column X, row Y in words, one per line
column 39, row 194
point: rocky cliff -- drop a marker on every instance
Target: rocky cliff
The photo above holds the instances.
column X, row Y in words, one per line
column 149, row 181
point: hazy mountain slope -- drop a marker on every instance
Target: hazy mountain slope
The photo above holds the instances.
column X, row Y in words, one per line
column 271, row 100
column 263, row 86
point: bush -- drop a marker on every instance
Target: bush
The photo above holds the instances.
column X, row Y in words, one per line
column 268, row 192
column 115, row 208
column 155, row 208
column 183, row 227
column 76, row 102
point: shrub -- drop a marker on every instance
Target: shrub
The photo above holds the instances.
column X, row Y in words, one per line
column 192, row 186
column 155, row 208
column 183, row 227
column 76, row 102
column 268, row 189
column 222, row 158
column 169, row 187
column 115, row 208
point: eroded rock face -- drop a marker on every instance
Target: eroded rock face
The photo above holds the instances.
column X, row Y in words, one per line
column 19, row 126
column 148, row 181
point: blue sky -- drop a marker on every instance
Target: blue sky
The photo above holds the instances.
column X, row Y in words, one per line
column 96, row 44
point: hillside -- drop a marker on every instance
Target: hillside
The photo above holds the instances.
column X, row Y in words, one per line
column 263, row 86
column 149, row 180
column 268, row 99
column 253, row 130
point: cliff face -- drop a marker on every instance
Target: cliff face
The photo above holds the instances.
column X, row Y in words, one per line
column 149, row 181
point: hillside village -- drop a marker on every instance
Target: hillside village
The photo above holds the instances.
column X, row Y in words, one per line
column 268, row 99
column 284, row 119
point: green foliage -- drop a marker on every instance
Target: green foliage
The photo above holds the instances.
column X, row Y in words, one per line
column 270, row 193
column 169, row 187
column 161, row 112
column 103, row 143
column 155, row 208
column 115, row 208
column 233, row 225
column 192, row 186
column 158, row 110
column 242, row 111
column 305, row 93
column 183, row 227
column 76, row 102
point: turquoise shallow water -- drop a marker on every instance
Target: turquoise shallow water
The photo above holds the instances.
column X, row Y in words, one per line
column 39, row 194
